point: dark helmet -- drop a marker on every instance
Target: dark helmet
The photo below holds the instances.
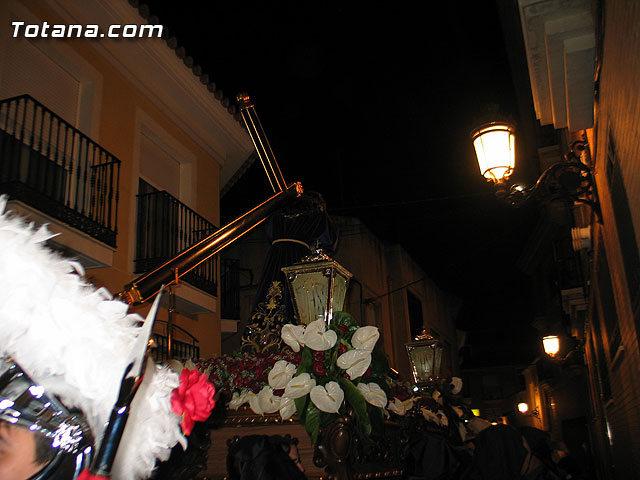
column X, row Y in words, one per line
column 63, row 434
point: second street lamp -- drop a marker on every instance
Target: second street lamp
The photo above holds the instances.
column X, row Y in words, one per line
column 570, row 179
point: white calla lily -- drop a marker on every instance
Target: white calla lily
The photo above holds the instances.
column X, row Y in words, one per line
column 444, row 421
column 299, row 386
column 373, row 394
column 431, row 416
column 456, row 384
column 292, row 335
column 355, row 362
column 317, row 337
column 458, row 410
column 400, row 407
column 365, row 338
column 327, row 398
column 269, row 403
column 281, row 373
column 287, row 407
column 254, row 403
column 238, row 399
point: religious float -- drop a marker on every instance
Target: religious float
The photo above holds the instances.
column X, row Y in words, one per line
column 307, row 370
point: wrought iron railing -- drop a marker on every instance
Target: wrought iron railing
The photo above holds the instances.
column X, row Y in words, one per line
column 166, row 227
column 184, row 349
column 50, row 165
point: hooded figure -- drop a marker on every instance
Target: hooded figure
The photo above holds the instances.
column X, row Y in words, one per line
column 67, row 353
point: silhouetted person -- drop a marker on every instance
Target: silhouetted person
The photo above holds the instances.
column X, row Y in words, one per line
column 263, row 457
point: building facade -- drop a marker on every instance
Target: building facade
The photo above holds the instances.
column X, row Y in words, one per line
column 120, row 145
column 583, row 64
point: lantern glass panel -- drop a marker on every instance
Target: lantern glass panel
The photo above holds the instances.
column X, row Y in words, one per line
column 425, row 360
column 340, row 285
column 495, row 149
column 311, row 295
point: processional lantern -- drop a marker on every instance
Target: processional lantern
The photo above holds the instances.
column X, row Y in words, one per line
column 318, row 287
column 425, row 355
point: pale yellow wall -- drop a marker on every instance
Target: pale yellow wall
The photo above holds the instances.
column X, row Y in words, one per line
column 117, row 134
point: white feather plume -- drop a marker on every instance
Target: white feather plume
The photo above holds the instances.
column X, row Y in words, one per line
column 76, row 340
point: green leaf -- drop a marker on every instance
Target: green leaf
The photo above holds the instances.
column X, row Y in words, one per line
column 344, row 318
column 379, row 363
column 306, row 362
column 301, row 404
column 354, row 397
column 312, row 422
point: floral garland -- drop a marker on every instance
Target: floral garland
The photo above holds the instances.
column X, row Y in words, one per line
column 328, row 369
column 243, row 371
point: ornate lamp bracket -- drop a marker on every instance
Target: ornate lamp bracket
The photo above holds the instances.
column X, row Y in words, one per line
column 570, row 179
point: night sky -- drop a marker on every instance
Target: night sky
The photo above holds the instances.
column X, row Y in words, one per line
column 372, row 107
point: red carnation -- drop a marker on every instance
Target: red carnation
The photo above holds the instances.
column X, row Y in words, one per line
column 342, row 349
column 318, row 356
column 193, row 399
column 318, row 369
column 343, row 328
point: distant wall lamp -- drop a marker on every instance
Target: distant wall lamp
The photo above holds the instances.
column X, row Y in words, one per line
column 571, row 179
column 523, row 408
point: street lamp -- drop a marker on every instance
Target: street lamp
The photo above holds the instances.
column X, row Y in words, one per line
column 523, row 408
column 425, row 355
column 570, row 179
column 551, row 345
column 569, row 352
column 495, row 145
column 318, row 287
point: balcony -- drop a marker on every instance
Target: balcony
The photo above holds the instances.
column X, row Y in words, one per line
column 49, row 165
column 183, row 345
column 165, row 227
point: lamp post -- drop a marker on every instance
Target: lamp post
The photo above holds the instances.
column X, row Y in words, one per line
column 318, row 287
column 425, row 355
column 570, row 179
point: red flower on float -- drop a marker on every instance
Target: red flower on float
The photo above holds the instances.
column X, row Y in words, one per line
column 193, row 399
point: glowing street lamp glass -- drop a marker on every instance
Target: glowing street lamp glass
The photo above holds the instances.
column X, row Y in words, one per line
column 495, row 148
column 523, row 407
column 551, row 345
